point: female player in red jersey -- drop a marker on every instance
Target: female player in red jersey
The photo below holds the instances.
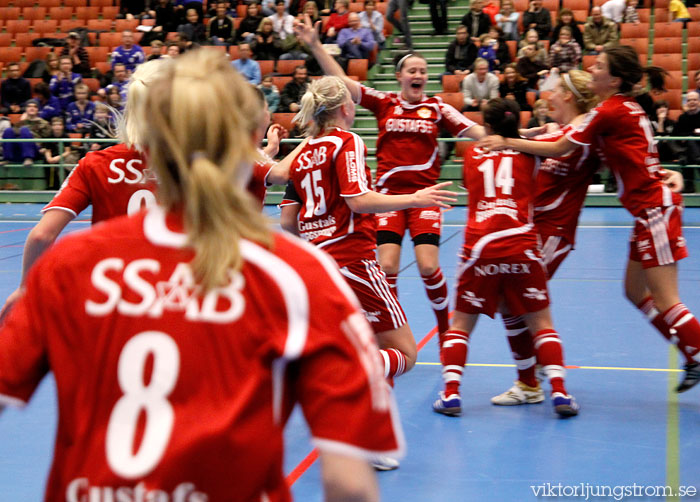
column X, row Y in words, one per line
column 501, row 265
column 193, row 329
column 407, row 159
column 621, row 129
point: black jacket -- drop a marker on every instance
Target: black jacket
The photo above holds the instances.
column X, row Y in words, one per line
column 460, row 57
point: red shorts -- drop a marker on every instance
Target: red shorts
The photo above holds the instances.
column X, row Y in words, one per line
column 379, row 303
column 555, row 249
column 425, row 220
column 521, row 281
column 657, row 238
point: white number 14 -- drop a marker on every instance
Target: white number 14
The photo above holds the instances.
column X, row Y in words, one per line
column 503, row 179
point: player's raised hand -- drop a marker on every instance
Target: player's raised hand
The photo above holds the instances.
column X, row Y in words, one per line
column 306, row 32
column 492, row 143
column 435, row 196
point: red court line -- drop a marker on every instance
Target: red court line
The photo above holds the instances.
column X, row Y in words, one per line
column 15, row 230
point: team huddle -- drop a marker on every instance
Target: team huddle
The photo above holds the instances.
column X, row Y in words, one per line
column 204, row 327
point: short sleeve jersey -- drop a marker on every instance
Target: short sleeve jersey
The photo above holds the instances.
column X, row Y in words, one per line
column 407, row 147
column 181, row 395
column 257, row 185
column 562, row 184
column 329, row 169
column 115, row 181
column 622, row 131
column 501, row 188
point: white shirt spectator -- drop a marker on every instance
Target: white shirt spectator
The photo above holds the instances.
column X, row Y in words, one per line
column 376, row 26
column 614, row 9
column 283, row 24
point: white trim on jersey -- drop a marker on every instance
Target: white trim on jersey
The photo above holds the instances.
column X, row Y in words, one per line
column 333, row 139
column 351, row 229
column 415, row 167
column 552, row 205
column 156, row 231
column 61, row 208
column 550, row 251
column 485, row 240
column 6, row 400
column 359, row 165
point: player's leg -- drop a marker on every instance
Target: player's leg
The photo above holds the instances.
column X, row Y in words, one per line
column 398, row 350
column 390, row 229
column 428, row 261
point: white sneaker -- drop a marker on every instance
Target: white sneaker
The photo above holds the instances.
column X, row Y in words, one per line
column 384, row 463
column 519, row 394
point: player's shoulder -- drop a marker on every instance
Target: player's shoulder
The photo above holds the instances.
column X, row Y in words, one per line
column 103, row 157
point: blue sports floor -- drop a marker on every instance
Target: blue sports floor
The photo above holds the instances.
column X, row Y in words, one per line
column 633, row 436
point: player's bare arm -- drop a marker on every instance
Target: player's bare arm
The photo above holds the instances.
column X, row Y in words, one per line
column 544, row 149
column 373, row 202
column 275, row 134
column 279, row 174
column 289, row 216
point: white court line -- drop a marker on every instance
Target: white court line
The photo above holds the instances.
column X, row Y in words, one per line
column 692, row 227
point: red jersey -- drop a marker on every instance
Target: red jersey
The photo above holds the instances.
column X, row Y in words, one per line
column 407, row 147
column 562, row 184
column 115, row 181
column 621, row 128
column 501, row 188
column 169, row 394
column 329, row 169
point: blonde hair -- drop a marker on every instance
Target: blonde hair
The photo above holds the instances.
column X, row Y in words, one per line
column 201, row 117
column 585, row 99
column 130, row 130
column 319, row 103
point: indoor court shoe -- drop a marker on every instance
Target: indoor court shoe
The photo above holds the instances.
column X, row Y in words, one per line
column 519, row 394
column 564, row 405
column 691, row 377
column 384, row 463
column 450, row 405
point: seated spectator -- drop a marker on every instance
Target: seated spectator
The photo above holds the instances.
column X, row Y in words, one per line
column 128, row 53
column 476, row 20
column 290, row 98
column 373, row 20
column 220, row 30
column 247, row 67
column 78, row 55
column 267, row 44
column 172, row 50
column 355, row 42
column 599, row 32
column 30, row 125
column 461, row 53
column 166, row 21
column 157, row 50
column 49, row 106
column 538, row 19
column 631, row 15
column 120, row 80
column 614, row 10
column 486, row 50
column 80, row 112
column 565, row 17
column 689, row 151
column 540, row 114
column 565, row 53
column 531, row 37
column 514, row 86
column 677, row 12
column 182, row 6
column 51, row 67
column 530, row 67
column 507, row 20
column 115, row 99
column 337, row 21
column 52, row 154
column 270, row 92
column 131, row 9
column 479, row 86
column 193, row 28
column 292, row 48
column 14, row 90
column 63, row 84
column 102, row 127
column 282, row 22
column 310, row 8
column 500, row 47
column 249, row 24
column 491, row 8
column 663, row 126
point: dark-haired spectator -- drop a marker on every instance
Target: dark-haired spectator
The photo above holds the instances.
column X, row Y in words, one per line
column 532, row 37
column 337, row 21
column 537, row 18
column 49, row 106
column 101, row 127
column 614, row 9
column 81, row 111
column 246, row 66
column 78, row 55
column 540, row 114
column 14, row 90
column 438, row 16
column 172, row 50
column 131, row 9
column 30, row 125
column 166, row 20
column 689, row 125
column 270, row 92
column 267, row 44
column 373, row 20
column 63, row 84
column 355, row 42
column 476, row 20
column 282, row 22
column 507, row 20
column 565, row 53
column 128, row 53
column 182, row 6
column 53, row 155
column 249, row 24
column 401, row 23
column 500, row 47
column 268, row 7
column 478, row 87
column 663, row 126
column 220, row 30
column 115, row 99
column 514, row 86
column 599, row 32
column 565, row 17
column 194, row 29
column 157, row 50
column 529, row 67
column 120, row 80
column 461, row 53
column 631, row 15
column 290, row 97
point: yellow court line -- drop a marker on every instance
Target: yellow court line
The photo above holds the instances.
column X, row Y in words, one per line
column 609, row 368
column 673, row 461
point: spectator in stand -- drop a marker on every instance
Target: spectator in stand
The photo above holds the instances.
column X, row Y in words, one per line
column 537, row 18
column 438, row 16
column 565, row 17
column 63, row 84
column 52, row 154
column 355, row 42
column 249, row 24
column 689, row 151
column 290, row 98
column 80, row 60
column 614, row 10
column 479, row 86
column 30, row 125
column 247, row 67
column 373, row 20
column 51, row 69
column 193, row 28
column 599, row 32
column 514, row 86
column 282, row 22
column 182, row 6
column 270, row 92
column 337, row 21
column 565, row 53
column 311, row 9
column 267, row 7
column 120, row 80
column 540, row 114
column 531, row 37
column 49, row 106
column 128, row 53
column 476, row 20
column 491, row 8
column 402, row 23
column 157, row 50
column 530, row 67
column 183, row 42
column 81, row 112
column 663, row 126
column 507, row 20
column 292, row 48
column 114, row 98
column 166, row 21
column 14, row 90
column 220, row 30
column 267, row 44
column 631, row 15
column 172, row 50
column 487, row 51
column 101, row 127
column 461, row 53
column 131, row 9
column 677, row 12
column 500, row 47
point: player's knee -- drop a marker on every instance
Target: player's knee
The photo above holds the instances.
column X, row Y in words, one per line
column 427, row 269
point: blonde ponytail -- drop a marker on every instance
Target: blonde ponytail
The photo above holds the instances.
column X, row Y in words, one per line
column 201, row 117
column 319, row 104
column 129, row 129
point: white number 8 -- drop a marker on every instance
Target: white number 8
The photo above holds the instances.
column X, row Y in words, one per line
column 152, row 399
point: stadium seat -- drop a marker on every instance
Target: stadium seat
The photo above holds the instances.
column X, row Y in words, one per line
column 356, row 7
column 451, row 83
column 148, row 22
column 50, row 3
column 5, row 3
column 34, row 13
column 87, row 13
column 629, row 30
column 25, row 39
column 233, row 52
column 125, row 24
column 388, row 29
column 674, row 80
column 512, row 49
column 54, row 35
column 576, row 4
column 693, row 44
column 673, row 96
column 358, row 68
column 5, row 39
column 97, row 54
column 694, row 12
column 74, row 3
column 24, row 3
column 266, row 66
column 551, row 5
column 280, row 82
column 674, row 114
column 644, row 15
column 580, row 15
column 45, row 26
column 455, row 99
column 668, row 46
column 109, row 12
column 33, row 53
column 284, row 119
column 8, row 13
column 10, row 54
column 520, row 5
column 68, row 25
column 641, row 45
column 661, row 4
column 670, row 62
column 693, row 29
column 60, row 13
column 100, row 24
column 92, row 83
column 525, row 118
column 693, row 62
column 241, row 10
column 286, row 66
column 17, row 26
column 110, row 39
column 103, row 66
column 660, row 15
column 102, row 3
column 666, row 30
column 598, row 3
column 531, row 97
